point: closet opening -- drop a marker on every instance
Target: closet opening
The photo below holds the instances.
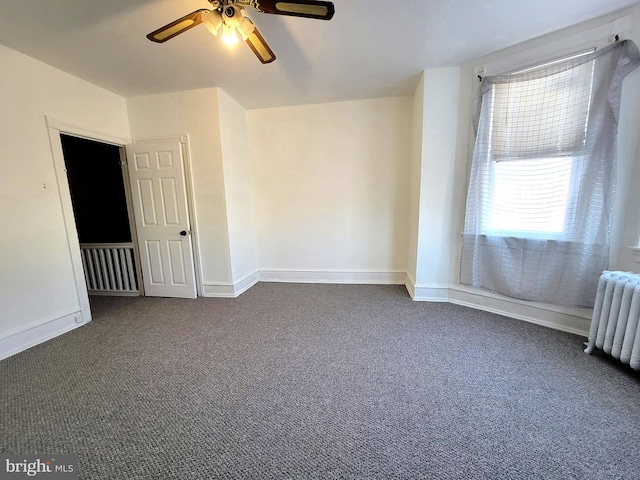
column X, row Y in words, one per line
column 99, row 186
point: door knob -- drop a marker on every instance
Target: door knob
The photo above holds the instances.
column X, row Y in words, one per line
column 184, row 233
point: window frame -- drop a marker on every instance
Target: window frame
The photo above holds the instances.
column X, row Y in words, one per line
column 576, row 170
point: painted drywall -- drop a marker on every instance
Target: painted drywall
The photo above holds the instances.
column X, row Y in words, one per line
column 238, row 188
column 626, row 219
column 417, row 123
column 331, row 185
column 195, row 113
column 36, row 281
column 439, row 126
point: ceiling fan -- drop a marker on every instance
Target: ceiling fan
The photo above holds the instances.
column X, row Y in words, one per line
column 229, row 15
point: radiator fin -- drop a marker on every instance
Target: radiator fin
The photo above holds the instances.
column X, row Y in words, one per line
column 614, row 325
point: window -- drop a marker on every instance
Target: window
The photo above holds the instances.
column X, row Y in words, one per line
column 542, row 184
column 529, row 197
column 537, row 130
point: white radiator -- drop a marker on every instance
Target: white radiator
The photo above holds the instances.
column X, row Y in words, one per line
column 109, row 269
column 614, row 326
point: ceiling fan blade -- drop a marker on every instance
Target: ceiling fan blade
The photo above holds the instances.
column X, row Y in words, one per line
column 177, row 27
column 260, row 47
column 297, row 8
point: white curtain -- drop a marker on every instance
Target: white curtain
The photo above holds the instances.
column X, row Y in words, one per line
column 542, row 184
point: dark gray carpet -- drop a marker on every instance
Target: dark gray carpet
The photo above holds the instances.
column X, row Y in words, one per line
column 320, row 381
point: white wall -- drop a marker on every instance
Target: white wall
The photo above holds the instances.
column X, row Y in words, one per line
column 332, row 186
column 196, row 113
column 436, row 176
column 626, row 228
column 238, row 188
column 36, row 276
column 417, row 132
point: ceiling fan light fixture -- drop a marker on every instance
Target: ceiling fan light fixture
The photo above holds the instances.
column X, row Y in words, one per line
column 212, row 20
column 229, row 36
column 232, row 16
column 246, row 28
column 229, row 15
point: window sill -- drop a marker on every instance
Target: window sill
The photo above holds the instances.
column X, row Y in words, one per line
column 635, row 252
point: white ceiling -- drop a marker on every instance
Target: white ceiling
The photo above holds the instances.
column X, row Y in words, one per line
column 371, row 48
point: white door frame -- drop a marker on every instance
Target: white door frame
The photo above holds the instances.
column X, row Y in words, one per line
column 57, row 127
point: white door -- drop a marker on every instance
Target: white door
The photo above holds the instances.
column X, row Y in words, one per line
column 156, row 172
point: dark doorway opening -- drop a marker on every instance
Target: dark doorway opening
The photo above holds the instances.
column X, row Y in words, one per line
column 97, row 186
column 97, row 190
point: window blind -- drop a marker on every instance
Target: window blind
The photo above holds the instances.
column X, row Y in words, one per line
column 541, row 117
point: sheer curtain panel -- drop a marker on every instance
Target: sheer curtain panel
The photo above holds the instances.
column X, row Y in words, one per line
column 541, row 192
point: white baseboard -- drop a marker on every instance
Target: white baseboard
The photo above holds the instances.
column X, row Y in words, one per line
column 246, row 283
column 34, row 335
column 423, row 293
column 566, row 319
column 333, row 276
column 230, row 290
column 426, row 293
column 218, row 290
